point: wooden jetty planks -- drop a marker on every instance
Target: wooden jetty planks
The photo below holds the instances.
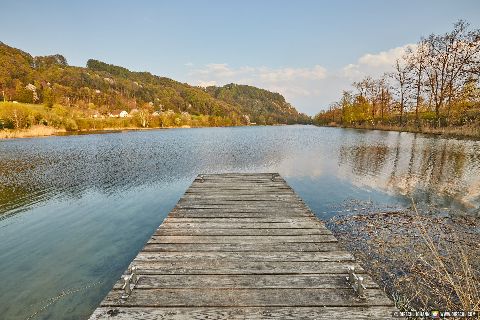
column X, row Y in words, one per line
column 242, row 313
column 243, row 246
column 243, row 281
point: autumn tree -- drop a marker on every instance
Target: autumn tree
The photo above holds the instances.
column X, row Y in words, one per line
column 439, row 75
column 401, row 85
column 452, row 58
column 416, row 60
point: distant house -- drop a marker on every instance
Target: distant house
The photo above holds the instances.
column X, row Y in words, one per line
column 118, row 114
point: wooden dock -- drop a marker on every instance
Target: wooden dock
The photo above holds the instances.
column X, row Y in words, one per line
column 243, row 246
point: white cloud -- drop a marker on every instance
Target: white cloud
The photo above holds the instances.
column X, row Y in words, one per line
column 374, row 64
column 309, row 89
column 384, row 58
column 290, row 82
column 286, row 74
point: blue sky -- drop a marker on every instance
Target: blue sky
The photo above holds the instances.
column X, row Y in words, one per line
column 307, row 50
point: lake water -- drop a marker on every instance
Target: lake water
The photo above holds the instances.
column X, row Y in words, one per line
column 75, row 210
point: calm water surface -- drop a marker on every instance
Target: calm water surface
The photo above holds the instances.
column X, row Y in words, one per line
column 75, row 210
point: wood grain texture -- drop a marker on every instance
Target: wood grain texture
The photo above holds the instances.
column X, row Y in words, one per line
column 243, row 267
column 207, row 231
column 243, row 239
column 244, row 281
column 261, row 256
column 255, row 313
column 247, row 298
column 243, row 246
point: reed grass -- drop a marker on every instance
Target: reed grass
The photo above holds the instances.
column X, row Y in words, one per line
column 423, row 261
column 34, row 131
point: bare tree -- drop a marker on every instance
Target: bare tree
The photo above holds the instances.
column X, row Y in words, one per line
column 452, row 59
column 363, row 85
column 384, row 95
column 416, row 59
column 401, row 84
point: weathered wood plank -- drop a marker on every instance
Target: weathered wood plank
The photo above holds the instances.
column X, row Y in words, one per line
column 244, row 267
column 249, row 256
column 243, row 239
column 310, row 221
column 241, row 205
column 238, row 213
column 219, row 281
column 240, row 186
column 236, row 188
column 257, row 182
column 244, row 191
column 238, row 225
column 207, row 231
column 271, row 211
column 260, row 211
column 265, row 196
column 247, row 298
column 242, row 182
column 226, row 179
column 245, row 201
column 213, row 215
column 243, row 247
column 286, row 196
column 242, row 313
column 293, row 221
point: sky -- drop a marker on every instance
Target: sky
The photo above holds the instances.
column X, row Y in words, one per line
column 307, row 50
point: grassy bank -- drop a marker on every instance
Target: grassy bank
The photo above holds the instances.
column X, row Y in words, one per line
column 18, row 120
column 34, row 131
column 467, row 131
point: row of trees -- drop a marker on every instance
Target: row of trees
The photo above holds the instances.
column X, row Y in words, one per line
column 24, row 116
column 435, row 83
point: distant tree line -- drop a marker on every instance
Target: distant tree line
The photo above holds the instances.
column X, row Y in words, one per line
column 434, row 84
column 262, row 106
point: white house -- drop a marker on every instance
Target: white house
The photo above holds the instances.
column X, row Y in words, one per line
column 123, row 114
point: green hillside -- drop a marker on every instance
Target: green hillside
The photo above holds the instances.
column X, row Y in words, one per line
column 263, row 107
column 101, row 90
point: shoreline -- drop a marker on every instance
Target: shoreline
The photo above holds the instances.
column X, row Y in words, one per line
column 44, row 131
column 40, row 131
column 466, row 133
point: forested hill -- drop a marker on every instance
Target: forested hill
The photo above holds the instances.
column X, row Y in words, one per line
column 263, row 106
column 101, row 88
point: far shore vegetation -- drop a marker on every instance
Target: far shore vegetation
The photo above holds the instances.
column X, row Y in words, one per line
column 434, row 88
column 44, row 95
column 19, row 120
